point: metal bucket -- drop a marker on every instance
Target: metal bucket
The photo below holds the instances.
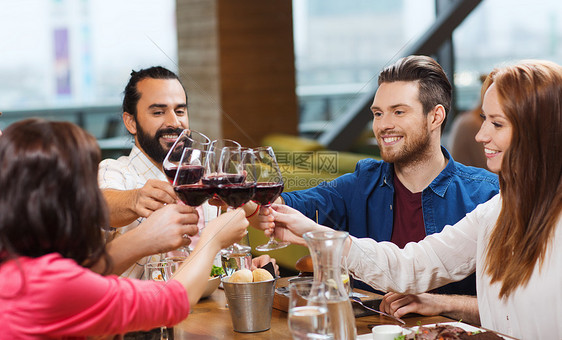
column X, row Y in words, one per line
column 250, row 304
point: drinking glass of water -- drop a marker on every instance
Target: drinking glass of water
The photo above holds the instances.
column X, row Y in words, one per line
column 308, row 311
column 160, row 271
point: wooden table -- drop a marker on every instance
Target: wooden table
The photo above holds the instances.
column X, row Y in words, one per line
column 210, row 319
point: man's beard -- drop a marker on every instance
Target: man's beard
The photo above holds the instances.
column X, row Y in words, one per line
column 412, row 152
column 151, row 144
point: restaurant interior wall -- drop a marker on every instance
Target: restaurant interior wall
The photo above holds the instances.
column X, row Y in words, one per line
column 237, row 58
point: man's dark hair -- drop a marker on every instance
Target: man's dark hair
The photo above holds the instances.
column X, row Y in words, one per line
column 131, row 94
column 434, row 87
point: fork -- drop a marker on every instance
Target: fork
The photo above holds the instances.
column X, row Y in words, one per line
column 358, row 301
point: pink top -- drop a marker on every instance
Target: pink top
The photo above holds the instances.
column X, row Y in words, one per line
column 55, row 298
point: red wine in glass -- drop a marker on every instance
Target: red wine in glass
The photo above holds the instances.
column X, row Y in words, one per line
column 267, row 192
column 235, row 195
column 221, row 179
column 189, row 174
column 269, row 187
column 194, row 194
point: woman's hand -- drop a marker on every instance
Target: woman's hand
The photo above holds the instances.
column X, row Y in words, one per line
column 163, row 230
column 226, row 229
column 288, row 224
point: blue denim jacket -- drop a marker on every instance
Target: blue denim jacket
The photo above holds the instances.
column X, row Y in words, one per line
column 361, row 202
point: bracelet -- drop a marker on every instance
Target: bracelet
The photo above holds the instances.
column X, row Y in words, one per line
column 255, row 212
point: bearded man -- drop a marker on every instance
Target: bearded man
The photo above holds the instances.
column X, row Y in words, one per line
column 418, row 188
column 134, row 186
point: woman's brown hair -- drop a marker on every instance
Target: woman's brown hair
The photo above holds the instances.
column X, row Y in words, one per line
column 50, row 201
column 530, row 94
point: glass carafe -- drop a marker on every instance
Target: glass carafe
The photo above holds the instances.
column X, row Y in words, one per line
column 326, row 249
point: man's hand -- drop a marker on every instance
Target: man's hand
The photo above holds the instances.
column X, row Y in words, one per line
column 260, row 261
column 125, row 206
column 152, row 196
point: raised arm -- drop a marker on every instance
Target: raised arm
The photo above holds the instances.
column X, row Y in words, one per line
column 161, row 232
column 436, row 260
column 221, row 232
column 125, row 206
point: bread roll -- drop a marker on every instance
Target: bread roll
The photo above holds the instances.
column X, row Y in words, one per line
column 304, row 264
column 261, row 274
column 243, row 275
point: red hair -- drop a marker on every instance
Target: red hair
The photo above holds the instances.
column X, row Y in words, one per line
column 530, row 94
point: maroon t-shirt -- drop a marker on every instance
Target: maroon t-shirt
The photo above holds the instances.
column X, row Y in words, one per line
column 408, row 215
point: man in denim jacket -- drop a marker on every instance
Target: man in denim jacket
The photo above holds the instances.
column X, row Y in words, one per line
column 418, row 188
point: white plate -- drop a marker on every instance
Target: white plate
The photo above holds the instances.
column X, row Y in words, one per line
column 465, row 326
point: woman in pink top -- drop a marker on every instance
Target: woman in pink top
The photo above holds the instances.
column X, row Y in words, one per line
column 51, row 211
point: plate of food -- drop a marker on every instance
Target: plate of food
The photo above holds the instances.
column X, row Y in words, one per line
column 446, row 331
column 214, row 281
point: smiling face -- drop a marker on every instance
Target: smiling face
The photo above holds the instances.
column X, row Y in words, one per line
column 161, row 116
column 495, row 132
column 399, row 124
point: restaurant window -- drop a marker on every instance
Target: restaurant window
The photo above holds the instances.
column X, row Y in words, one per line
column 503, row 31
column 341, row 46
column 78, row 54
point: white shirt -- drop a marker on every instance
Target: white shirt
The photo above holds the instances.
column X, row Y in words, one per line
column 530, row 312
column 132, row 172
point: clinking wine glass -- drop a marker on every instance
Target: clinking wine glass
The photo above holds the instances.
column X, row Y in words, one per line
column 197, row 140
column 237, row 185
column 187, row 139
column 219, row 144
column 187, row 181
column 268, row 188
column 213, row 175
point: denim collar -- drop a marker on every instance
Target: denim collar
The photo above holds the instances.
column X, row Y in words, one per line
column 439, row 185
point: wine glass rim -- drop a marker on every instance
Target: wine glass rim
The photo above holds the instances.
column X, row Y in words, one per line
column 205, row 143
column 265, row 147
column 325, row 235
column 235, row 143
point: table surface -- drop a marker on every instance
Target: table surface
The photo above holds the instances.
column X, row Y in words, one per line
column 210, row 319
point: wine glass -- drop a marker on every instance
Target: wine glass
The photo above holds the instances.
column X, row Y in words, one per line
column 172, row 159
column 213, row 175
column 159, row 271
column 236, row 185
column 197, row 140
column 188, row 183
column 308, row 311
column 219, row 144
column 268, row 187
column 187, row 139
